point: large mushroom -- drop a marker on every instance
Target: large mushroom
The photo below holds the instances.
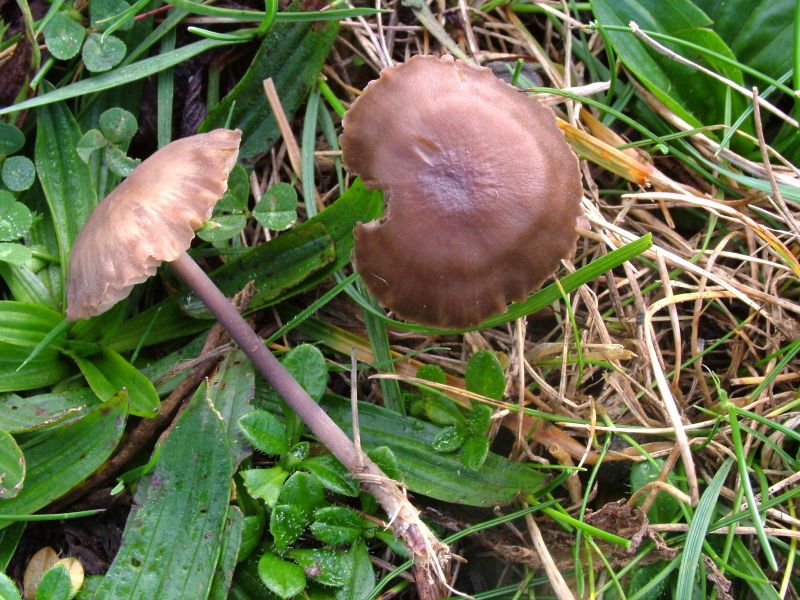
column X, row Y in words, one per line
column 150, row 218
column 482, row 191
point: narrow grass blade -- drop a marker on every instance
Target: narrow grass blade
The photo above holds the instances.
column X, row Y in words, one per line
column 698, row 530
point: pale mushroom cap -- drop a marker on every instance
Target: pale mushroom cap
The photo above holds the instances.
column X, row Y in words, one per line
column 482, row 191
column 149, row 218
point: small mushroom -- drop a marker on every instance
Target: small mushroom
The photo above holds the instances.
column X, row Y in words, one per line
column 482, row 191
column 151, row 217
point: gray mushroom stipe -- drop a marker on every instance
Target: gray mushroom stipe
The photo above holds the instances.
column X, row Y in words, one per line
column 482, row 191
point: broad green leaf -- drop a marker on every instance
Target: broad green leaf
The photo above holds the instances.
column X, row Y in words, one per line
column 438, row 407
column 108, row 373
column 15, row 254
column 479, row 419
column 11, row 139
column 665, row 506
column 173, row 534
column 449, row 439
column 23, row 324
column 264, row 432
column 18, row 173
column 337, row 525
column 15, row 218
column 265, row 483
column 332, row 474
column 231, row 390
column 277, row 209
column 758, row 31
column 60, row 458
column 8, row 589
column 231, row 542
column 361, row 577
column 90, row 141
column 252, row 532
column 690, row 94
column 118, row 125
column 65, row 178
column 475, row 451
column 304, row 491
column 63, row 36
column 118, row 162
column 222, row 227
column 47, row 368
column 25, row 285
column 292, row 55
column 12, row 466
column 235, row 198
column 55, row 584
column 328, row 567
column 441, row 476
column 485, row 376
column 307, row 365
column 103, row 52
column 286, row 524
column 281, row 577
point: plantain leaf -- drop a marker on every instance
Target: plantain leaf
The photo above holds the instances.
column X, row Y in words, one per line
column 65, row 178
column 23, row 324
column 758, row 31
column 440, row 476
column 47, row 368
column 694, row 96
column 18, row 414
column 231, row 542
column 232, row 389
column 291, row 54
column 108, row 373
column 173, row 535
column 58, row 459
column 12, row 466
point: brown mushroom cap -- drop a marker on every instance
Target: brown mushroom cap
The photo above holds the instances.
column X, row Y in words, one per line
column 482, row 191
column 149, row 218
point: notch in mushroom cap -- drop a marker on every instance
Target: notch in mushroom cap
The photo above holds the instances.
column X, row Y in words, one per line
column 148, row 219
column 482, row 191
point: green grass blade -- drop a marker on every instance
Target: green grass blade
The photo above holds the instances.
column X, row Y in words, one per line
column 698, row 529
column 106, row 81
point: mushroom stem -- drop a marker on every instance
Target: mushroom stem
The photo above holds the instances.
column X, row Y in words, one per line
column 404, row 517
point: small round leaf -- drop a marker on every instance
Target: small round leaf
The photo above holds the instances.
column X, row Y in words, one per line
column 11, row 139
column 8, row 590
column 235, row 198
column 222, row 228
column 118, row 162
column 105, row 13
column 15, row 218
column 92, row 140
column 282, row 577
column 15, row 254
column 277, row 209
column 18, row 173
column 103, row 54
column 63, row 36
column 118, row 125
